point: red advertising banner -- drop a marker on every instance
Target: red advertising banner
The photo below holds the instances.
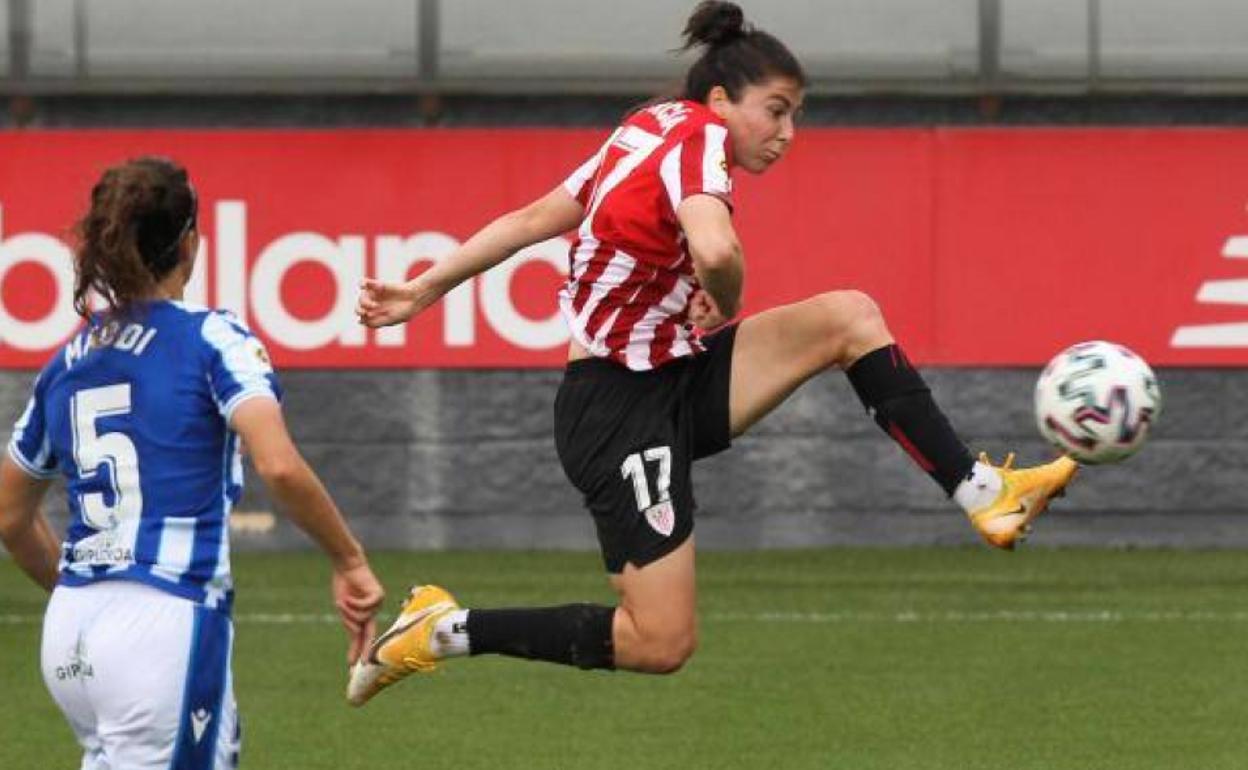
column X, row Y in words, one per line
column 983, row 246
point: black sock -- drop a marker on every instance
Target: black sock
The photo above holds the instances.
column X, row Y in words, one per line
column 901, row 403
column 574, row 634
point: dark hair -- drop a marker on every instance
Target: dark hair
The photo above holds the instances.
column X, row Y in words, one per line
column 737, row 54
column 131, row 236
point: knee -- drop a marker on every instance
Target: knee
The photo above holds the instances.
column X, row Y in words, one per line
column 853, row 324
column 850, row 311
column 669, row 654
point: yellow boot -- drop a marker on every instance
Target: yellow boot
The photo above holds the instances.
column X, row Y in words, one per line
column 1025, row 493
column 404, row 648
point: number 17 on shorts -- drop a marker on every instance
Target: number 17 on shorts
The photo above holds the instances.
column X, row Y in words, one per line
column 660, row 514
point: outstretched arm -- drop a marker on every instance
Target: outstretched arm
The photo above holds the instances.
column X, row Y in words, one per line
column 386, row 304
column 23, row 528
column 357, row 594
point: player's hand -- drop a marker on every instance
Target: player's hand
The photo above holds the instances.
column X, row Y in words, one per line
column 704, row 313
column 357, row 597
column 387, row 304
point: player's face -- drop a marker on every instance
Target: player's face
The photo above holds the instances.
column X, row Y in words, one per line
column 761, row 122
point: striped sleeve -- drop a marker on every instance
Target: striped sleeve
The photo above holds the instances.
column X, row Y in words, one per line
column 580, row 184
column 30, row 447
column 698, row 166
column 238, row 365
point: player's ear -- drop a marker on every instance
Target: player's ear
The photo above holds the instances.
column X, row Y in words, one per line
column 717, row 99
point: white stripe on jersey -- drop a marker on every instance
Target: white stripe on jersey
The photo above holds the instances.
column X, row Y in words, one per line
column 714, row 163
column 582, row 258
column 227, row 410
column 241, row 356
column 638, row 144
column 600, row 339
column 79, row 568
column 34, row 466
column 617, row 271
column 233, row 475
column 586, row 170
column 26, row 465
column 682, row 346
column 669, row 170
column 637, row 354
column 177, row 546
column 638, row 183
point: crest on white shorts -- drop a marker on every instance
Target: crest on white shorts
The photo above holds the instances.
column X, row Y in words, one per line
column 661, row 518
column 199, row 722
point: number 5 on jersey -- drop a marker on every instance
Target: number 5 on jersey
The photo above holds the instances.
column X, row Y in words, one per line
column 92, row 449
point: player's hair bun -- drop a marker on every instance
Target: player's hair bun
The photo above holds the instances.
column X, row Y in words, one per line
column 715, row 23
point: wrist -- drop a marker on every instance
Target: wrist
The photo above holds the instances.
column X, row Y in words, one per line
column 428, row 282
column 349, row 558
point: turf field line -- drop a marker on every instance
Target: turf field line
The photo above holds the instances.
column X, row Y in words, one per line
column 988, row 616
column 848, row 617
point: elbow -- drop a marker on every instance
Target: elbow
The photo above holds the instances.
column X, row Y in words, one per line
column 720, row 257
column 279, row 470
column 9, row 527
column 13, row 522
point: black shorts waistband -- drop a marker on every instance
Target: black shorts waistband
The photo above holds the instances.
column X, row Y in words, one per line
column 592, row 363
column 583, row 368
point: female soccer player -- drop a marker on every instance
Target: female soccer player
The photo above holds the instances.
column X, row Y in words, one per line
column 644, row 394
column 142, row 413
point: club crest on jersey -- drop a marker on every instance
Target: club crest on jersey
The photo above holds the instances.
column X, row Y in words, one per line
column 261, row 354
column 661, row 517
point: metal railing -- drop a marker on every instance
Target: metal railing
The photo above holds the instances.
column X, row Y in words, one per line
column 547, row 47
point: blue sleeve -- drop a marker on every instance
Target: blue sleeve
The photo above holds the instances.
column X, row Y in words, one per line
column 238, row 365
column 30, row 447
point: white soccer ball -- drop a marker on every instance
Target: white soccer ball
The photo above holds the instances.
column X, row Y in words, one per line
column 1097, row 401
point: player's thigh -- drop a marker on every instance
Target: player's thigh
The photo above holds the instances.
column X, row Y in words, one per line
column 173, row 705
column 779, row 349
column 661, row 597
column 63, row 666
column 627, row 448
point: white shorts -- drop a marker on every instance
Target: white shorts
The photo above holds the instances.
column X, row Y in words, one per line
column 142, row 676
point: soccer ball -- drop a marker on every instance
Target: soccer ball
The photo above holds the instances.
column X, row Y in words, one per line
column 1096, row 401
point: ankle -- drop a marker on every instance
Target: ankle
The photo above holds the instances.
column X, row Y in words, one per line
column 980, row 489
column 450, row 635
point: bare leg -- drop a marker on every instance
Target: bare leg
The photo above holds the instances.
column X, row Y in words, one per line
column 779, row 349
column 655, row 625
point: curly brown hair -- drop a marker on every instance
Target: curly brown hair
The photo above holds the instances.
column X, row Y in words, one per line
column 131, row 236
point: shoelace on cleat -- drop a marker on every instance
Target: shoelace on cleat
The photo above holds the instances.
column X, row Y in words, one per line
column 1008, row 465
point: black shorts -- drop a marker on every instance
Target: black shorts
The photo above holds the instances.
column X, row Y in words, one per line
column 628, row 440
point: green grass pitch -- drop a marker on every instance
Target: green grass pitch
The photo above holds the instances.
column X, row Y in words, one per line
column 863, row 659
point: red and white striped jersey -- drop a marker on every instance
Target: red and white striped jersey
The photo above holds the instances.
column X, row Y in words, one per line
column 630, row 275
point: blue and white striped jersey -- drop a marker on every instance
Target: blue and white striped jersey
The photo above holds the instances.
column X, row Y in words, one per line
column 136, row 418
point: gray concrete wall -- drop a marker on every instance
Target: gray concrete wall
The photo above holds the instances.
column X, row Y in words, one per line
column 406, row 110
column 465, row 459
